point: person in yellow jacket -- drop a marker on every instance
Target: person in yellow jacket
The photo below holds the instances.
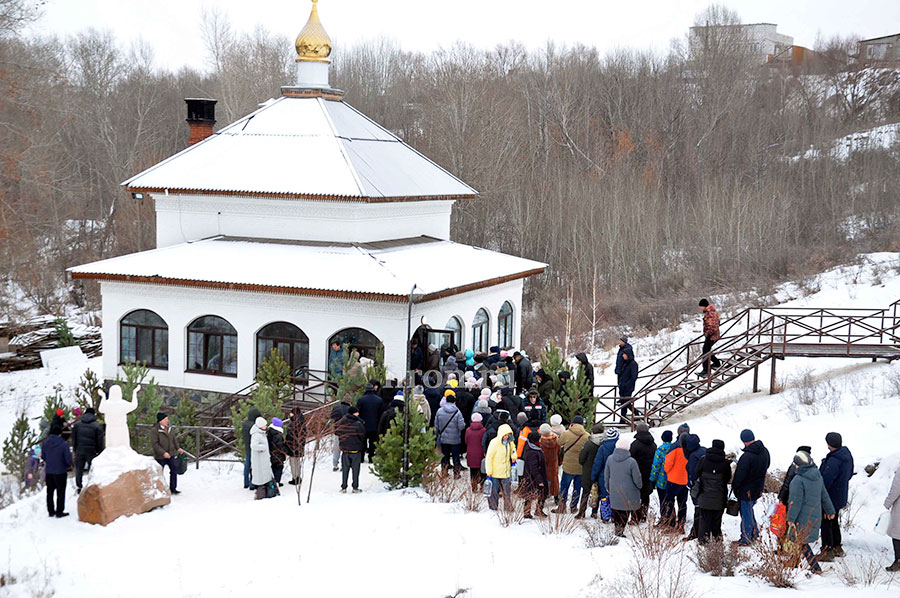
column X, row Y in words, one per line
column 501, row 454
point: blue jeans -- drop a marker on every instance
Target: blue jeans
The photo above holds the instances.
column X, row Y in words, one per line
column 247, row 469
column 749, row 531
column 575, row 480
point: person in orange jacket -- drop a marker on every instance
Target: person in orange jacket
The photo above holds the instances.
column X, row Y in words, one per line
column 676, row 485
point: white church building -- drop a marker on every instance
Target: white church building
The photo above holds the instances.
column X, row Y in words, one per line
column 301, row 223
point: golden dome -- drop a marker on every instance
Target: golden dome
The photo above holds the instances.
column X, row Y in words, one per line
column 313, row 44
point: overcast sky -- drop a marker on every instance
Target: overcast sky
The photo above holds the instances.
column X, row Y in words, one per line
column 171, row 27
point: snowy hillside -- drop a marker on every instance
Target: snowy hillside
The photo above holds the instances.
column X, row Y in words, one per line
column 214, row 540
column 883, row 137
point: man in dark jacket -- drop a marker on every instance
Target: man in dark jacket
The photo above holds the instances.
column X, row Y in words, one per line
column 784, row 494
column 465, row 401
column 165, row 446
column 627, row 381
column 749, row 481
column 623, row 348
column 433, row 395
column 87, row 442
column 524, row 372
column 836, row 469
column 710, row 491
column 643, row 449
column 587, row 368
column 534, row 483
column 693, row 452
column 586, row 459
column 337, row 414
column 370, row 407
column 277, row 450
column 395, row 408
column 533, row 407
column 416, row 356
column 351, row 432
column 58, row 459
column 494, row 355
column 295, row 444
column 544, row 385
column 510, row 403
column 246, row 426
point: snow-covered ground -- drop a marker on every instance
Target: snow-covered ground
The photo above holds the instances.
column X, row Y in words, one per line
column 883, row 137
column 214, row 540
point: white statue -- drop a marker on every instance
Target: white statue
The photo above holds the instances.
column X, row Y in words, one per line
column 116, row 410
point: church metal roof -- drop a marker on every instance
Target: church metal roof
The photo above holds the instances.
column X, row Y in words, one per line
column 311, row 148
column 382, row 271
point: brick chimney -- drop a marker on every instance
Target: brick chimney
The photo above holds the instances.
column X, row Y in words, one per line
column 201, row 117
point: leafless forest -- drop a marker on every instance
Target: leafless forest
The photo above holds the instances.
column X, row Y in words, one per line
column 643, row 180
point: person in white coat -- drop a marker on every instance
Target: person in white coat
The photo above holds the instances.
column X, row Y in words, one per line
column 260, row 463
column 892, row 504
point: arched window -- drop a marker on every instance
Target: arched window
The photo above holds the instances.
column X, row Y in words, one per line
column 212, row 346
column 359, row 339
column 454, row 325
column 144, row 337
column 481, row 331
column 290, row 341
column 505, row 326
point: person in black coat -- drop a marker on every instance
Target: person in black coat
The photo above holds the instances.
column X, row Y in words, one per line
column 510, row 403
column 351, row 433
column 710, row 491
column 277, row 449
column 748, row 483
column 370, row 407
column 643, row 449
column 524, row 372
column 465, row 402
column 58, row 460
column 433, row 395
column 87, row 443
column 586, row 367
column 416, row 356
column 337, row 414
column 533, row 407
column 534, row 484
column 627, row 381
column 836, row 470
column 396, row 408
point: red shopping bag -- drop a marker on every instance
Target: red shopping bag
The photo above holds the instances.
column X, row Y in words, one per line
column 778, row 523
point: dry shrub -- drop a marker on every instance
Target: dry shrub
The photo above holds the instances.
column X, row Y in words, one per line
column 849, row 513
column 515, row 515
column 650, row 541
column 598, row 534
column 859, row 570
column 773, row 565
column 773, row 481
column 443, row 486
column 664, row 572
column 561, row 524
column 473, row 501
column 717, row 558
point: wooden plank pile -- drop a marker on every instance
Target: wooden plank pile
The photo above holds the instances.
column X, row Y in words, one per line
column 28, row 339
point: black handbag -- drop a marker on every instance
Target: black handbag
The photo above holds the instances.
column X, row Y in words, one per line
column 272, row 490
column 732, row 506
column 182, row 463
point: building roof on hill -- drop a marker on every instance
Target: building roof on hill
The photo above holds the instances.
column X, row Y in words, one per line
column 310, row 148
column 379, row 271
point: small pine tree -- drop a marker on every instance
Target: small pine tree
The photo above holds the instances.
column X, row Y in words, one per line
column 273, row 387
column 149, row 402
column 553, row 362
column 54, row 402
column 66, row 338
column 388, row 463
column 353, row 380
column 16, row 447
column 186, row 415
column 87, row 392
column 575, row 398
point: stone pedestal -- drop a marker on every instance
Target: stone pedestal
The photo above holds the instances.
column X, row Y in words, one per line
column 121, row 483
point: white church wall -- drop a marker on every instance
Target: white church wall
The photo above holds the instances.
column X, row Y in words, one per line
column 318, row 317
column 181, row 218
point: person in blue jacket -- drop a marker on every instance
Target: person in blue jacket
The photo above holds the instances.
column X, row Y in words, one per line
column 606, row 449
column 58, row 460
column 836, row 469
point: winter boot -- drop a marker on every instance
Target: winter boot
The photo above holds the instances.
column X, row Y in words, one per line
column 838, row 551
column 893, row 568
column 825, row 556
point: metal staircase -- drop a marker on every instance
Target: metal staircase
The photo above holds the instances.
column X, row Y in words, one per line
column 747, row 340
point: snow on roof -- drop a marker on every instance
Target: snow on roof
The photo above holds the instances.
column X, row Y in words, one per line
column 308, row 147
column 383, row 270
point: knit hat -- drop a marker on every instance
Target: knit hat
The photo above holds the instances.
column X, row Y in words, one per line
column 612, row 433
column 834, row 440
column 453, row 382
column 555, row 419
column 805, row 449
column 60, row 412
column 476, row 417
column 532, row 392
column 261, row 421
column 56, row 429
column 623, row 338
column 667, row 436
column 481, row 404
column 449, row 393
column 598, row 428
column 747, row 436
column 521, row 419
column 160, row 416
column 545, row 429
column 277, row 423
column 641, row 427
column 486, row 393
column 399, row 394
column 90, row 410
column 352, row 410
column 502, row 415
column 802, row 458
column 534, row 438
column 719, row 444
column 370, row 387
column 578, row 420
column 682, row 429
column 622, row 443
